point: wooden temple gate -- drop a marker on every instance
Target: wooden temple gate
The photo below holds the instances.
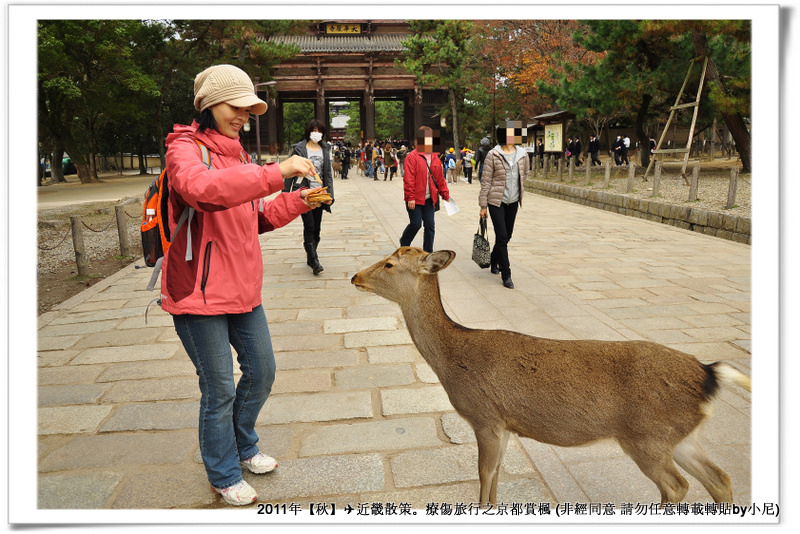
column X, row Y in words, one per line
column 349, row 60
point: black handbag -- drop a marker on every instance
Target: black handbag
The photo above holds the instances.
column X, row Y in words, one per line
column 480, row 246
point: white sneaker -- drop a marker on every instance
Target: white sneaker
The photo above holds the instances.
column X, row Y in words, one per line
column 260, row 463
column 240, row 494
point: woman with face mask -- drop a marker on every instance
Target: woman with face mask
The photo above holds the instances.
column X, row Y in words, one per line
column 318, row 151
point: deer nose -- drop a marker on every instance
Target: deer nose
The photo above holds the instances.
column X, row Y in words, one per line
column 353, row 280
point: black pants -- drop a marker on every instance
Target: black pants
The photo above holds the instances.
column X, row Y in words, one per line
column 312, row 224
column 503, row 218
column 345, row 168
column 421, row 214
column 595, row 159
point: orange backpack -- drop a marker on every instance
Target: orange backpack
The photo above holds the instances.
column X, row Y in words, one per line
column 155, row 222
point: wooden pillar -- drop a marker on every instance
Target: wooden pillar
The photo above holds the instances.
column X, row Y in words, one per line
column 319, row 105
column 693, row 184
column 273, row 143
column 657, row 179
column 122, row 230
column 588, row 173
column 631, row 174
column 417, row 110
column 78, row 245
column 369, row 113
column 732, row 188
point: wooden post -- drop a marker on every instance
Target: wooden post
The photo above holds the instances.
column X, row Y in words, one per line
column 608, row 173
column 713, row 133
column 588, row 173
column 657, row 179
column 693, row 184
column 535, row 165
column 631, row 173
column 546, row 166
column 77, row 244
column 122, row 230
column 571, row 168
column 560, row 169
column 732, row 188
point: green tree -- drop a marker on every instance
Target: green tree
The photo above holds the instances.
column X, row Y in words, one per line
column 639, row 68
column 85, row 70
column 441, row 54
column 726, row 43
column 388, row 119
column 295, row 118
column 643, row 68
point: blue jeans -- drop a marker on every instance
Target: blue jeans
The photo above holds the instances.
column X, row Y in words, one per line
column 420, row 215
column 369, row 172
column 228, row 411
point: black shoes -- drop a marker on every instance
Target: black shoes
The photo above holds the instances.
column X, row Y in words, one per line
column 312, row 259
column 508, row 283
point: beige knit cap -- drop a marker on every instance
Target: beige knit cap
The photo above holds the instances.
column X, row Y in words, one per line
column 229, row 84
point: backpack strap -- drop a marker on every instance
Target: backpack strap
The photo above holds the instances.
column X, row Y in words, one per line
column 186, row 215
column 188, row 212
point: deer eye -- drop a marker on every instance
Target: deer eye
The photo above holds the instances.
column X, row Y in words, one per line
column 389, row 265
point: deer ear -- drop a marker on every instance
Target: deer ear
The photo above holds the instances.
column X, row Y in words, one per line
column 436, row 261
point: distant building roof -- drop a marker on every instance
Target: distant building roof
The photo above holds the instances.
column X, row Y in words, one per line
column 334, row 44
column 554, row 115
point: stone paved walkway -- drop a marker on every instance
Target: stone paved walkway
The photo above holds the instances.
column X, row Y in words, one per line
column 356, row 415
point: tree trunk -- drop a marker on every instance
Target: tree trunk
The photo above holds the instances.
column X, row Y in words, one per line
column 644, row 155
column 142, row 161
column 56, row 165
column 456, row 143
column 734, row 121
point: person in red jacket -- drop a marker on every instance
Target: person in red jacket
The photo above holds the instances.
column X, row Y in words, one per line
column 423, row 184
column 212, row 271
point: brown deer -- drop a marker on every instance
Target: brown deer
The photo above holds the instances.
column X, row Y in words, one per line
column 650, row 398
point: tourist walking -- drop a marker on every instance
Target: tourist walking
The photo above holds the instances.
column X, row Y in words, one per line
column 594, row 149
column 314, row 148
column 504, row 174
column 423, row 184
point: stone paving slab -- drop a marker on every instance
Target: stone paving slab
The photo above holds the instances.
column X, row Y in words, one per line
column 121, row 449
column 343, row 395
column 394, row 434
column 71, row 419
column 321, row 476
column 85, row 490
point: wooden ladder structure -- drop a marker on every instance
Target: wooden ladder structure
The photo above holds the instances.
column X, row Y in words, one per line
column 676, row 107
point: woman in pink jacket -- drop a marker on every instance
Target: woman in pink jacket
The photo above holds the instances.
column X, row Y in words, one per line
column 212, row 272
column 423, row 184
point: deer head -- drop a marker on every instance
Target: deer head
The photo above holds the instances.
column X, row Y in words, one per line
column 397, row 277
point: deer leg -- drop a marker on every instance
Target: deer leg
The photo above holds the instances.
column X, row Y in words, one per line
column 655, row 461
column 691, row 457
column 491, row 448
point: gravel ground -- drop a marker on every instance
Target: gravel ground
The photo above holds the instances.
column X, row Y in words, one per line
column 100, row 235
column 712, row 190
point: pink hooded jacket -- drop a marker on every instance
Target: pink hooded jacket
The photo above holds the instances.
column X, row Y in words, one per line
column 225, row 272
